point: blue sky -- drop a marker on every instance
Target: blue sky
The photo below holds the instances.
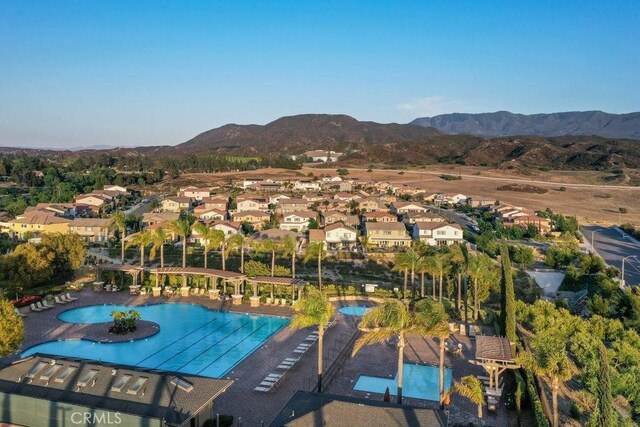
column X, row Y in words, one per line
column 80, row 72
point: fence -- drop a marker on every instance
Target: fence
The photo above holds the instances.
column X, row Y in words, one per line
column 336, row 367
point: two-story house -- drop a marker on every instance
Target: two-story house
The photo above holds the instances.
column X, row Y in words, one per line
column 176, row 204
column 217, row 202
column 413, row 217
column 340, row 237
column 255, row 218
column 306, row 185
column 379, row 217
column 252, row 204
column 292, row 205
column 194, row 193
column 437, row 234
column 35, row 223
column 209, row 214
column 93, row 230
column 297, row 221
column 400, row 208
column 387, row 234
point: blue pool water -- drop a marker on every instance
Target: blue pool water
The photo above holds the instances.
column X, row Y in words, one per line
column 192, row 339
column 419, row 382
column 354, row 310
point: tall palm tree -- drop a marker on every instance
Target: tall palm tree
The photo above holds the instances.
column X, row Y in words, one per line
column 223, row 243
column 237, row 241
column 479, row 269
column 119, row 221
column 316, row 250
column 388, row 320
column 268, row 246
column 549, row 360
column 142, row 239
column 182, row 228
column 314, row 309
column 407, row 261
column 160, row 236
column 210, row 238
column 431, row 320
column 458, row 257
column 432, row 266
column 289, row 247
column 471, row 388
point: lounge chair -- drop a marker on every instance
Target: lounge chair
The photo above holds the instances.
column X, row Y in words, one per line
column 35, row 308
column 264, row 389
column 46, row 304
column 41, row 306
column 59, row 301
column 283, row 302
column 18, row 313
column 143, row 292
column 70, row 298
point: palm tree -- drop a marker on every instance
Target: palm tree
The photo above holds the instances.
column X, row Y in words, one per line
column 432, row 266
column 471, row 388
column 388, row 320
column 182, row 228
column 431, row 320
column 160, row 236
column 269, row 246
column 479, row 270
column 289, row 247
column 314, row 309
column 458, row 257
column 401, row 263
column 316, row 250
column 119, row 221
column 223, row 243
column 549, row 360
column 237, row 241
column 143, row 239
column 210, row 238
column 407, row 262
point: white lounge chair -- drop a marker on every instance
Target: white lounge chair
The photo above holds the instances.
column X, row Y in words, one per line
column 59, row 301
column 263, row 389
column 46, row 304
column 18, row 313
column 41, row 306
column 35, row 308
column 70, row 298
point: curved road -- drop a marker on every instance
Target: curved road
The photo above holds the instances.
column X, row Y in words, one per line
column 610, row 244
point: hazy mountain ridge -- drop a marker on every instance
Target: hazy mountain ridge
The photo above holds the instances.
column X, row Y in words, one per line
column 504, row 123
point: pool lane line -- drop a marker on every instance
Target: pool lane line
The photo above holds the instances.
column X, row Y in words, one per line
column 228, row 350
column 182, row 337
column 206, row 349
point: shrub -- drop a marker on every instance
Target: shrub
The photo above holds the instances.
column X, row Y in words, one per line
column 124, row 322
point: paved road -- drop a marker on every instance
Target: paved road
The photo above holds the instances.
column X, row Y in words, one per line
column 141, row 208
column 610, row 245
column 454, row 216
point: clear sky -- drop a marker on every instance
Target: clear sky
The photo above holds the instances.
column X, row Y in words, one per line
column 136, row 72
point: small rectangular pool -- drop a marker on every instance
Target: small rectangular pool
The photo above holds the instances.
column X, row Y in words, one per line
column 419, row 382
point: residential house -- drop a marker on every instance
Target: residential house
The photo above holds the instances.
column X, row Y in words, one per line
column 370, row 204
column 400, row 208
column 67, row 210
column 346, row 197
column 437, row 234
column 441, row 198
column 194, row 193
column 387, row 234
column 93, row 230
column 307, row 185
column 267, row 186
column 244, row 203
column 331, row 217
column 274, row 234
column 36, row 223
column 276, row 198
column 229, row 228
column 292, row 205
column 297, row 221
column 480, row 202
column 218, row 203
column 255, row 218
column 516, row 216
column 153, row 218
column 176, row 204
column 117, row 188
column 96, row 200
column 317, row 236
column 340, row 237
column 379, row 217
column 331, row 179
column 248, row 182
column 413, row 217
column 209, row 214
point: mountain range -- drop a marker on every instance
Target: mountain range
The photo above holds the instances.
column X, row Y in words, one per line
column 390, row 144
column 504, row 123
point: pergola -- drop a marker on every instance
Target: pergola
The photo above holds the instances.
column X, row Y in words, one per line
column 495, row 356
column 232, row 277
column 134, row 270
column 296, row 284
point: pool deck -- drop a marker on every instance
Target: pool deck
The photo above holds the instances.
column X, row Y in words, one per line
column 255, row 407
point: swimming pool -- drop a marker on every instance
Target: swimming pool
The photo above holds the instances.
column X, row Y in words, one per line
column 419, row 382
column 192, row 339
column 354, row 310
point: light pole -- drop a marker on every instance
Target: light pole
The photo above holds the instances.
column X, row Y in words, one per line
column 622, row 281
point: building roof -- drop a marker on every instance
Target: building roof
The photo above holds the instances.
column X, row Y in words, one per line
column 158, row 397
column 179, row 200
column 294, row 201
column 375, row 215
column 273, row 234
column 493, row 348
column 338, row 225
column 389, row 226
column 90, row 222
column 436, row 225
column 316, row 235
column 231, row 224
column 159, row 216
column 250, row 213
column 306, row 409
column 302, row 214
column 41, row 217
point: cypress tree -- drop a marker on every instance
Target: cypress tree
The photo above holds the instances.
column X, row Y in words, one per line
column 507, row 297
column 605, row 412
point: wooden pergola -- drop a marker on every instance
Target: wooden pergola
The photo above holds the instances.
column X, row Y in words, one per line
column 225, row 277
column 296, row 285
column 495, row 356
column 123, row 269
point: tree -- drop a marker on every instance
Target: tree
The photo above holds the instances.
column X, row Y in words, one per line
column 119, row 221
column 471, row 388
column 507, row 297
column 65, row 252
column 522, row 255
column 160, row 236
column 433, row 266
column 141, row 239
column 342, row 171
column 482, row 273
column 182, row 227
column 25, row 267
column 237, row 241
column 314, row 309
column 316, row 250
column 11, row 329
column 268, row 246
column 549, row 360
column 459, row 258
column 210, row 238
column 605, row 409
column 289, row 247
